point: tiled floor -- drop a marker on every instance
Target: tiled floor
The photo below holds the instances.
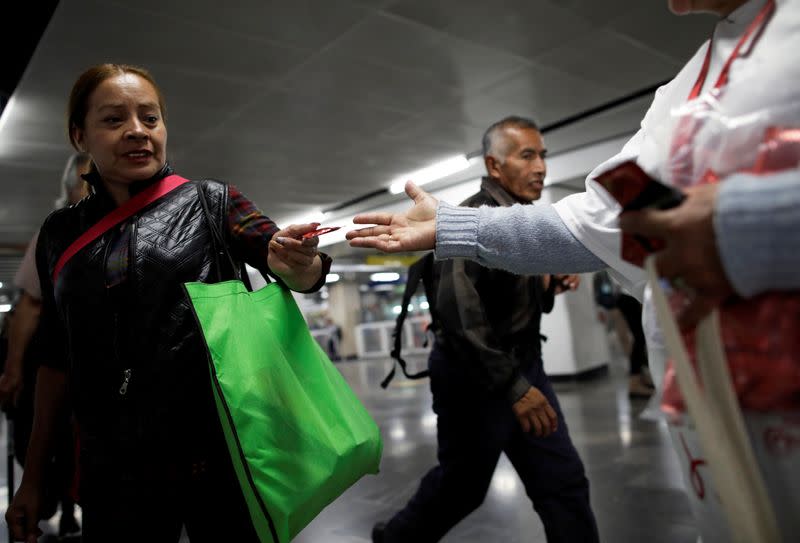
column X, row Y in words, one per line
column 636, row 489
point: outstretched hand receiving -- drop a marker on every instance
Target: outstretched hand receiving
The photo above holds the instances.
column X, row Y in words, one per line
column 413, row 230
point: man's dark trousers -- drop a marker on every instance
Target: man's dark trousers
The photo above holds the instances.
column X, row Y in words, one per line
column 473, row 429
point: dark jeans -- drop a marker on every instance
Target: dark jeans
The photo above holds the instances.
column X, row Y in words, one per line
column 206, row 499
column 473, row 430
column 631, row 309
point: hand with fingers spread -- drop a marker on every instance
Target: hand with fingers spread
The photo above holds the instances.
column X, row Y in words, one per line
column 294, row 259
column 535, row 413
column 414, row 230
column 691, row 257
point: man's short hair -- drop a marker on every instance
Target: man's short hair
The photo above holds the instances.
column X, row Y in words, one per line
column 494, row 144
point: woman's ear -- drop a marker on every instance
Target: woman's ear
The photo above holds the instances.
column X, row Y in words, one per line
column 76, row 135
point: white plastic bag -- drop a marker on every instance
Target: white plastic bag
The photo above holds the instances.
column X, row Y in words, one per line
column 720, row 427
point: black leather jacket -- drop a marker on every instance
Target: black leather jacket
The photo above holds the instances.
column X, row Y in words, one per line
column 136, row 359
column 489, row 319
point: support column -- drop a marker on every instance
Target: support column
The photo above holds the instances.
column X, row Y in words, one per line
column 344, row 307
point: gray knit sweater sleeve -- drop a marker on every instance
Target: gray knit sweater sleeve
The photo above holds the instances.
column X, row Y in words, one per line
column 757, row 222
column 526, row 240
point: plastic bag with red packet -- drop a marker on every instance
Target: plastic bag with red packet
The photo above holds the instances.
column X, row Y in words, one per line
column 715, row 380
column 739, row 370
column 761, row 336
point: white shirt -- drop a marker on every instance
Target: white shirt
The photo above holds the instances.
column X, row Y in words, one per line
column 765, row 77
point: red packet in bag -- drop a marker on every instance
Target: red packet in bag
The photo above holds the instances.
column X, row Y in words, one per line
column 634, row 189
column 779, row 151
column 760, row 335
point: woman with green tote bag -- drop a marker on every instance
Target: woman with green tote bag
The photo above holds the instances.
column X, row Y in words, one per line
column 169, row 405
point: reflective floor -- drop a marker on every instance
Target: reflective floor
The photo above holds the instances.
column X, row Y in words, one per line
column 636, row 488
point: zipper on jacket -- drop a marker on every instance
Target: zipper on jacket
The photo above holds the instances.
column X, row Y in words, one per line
column 114, row 301
column 132, row 252
column 129, row 275
column 126, row 379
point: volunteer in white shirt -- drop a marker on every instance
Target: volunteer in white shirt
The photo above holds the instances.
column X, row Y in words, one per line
column 580, row 232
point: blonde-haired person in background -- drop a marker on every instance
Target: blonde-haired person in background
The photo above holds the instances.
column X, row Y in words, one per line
column 18, row 380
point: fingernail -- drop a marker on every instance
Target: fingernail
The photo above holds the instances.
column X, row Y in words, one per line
column 281, row 240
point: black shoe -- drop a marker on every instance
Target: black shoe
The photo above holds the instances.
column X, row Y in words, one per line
column 637, row 388
column 378, row 531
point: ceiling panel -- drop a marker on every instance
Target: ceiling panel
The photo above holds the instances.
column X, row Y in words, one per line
column 621, row 120
column 436, row 127
column 600, row 12
column 305, row 24
column 345, row 79
column 614, row 62
column 290, row 115
column 651, row 24
column 522, row 27
column 540, row 92
column 211, row 50
column 411, row 47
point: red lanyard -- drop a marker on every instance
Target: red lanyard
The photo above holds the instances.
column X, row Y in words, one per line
column 138, row 202
column 756, row 26
column 681, row 152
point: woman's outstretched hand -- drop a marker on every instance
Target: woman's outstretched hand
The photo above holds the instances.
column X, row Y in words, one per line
column 413, row 230
column 294, row 259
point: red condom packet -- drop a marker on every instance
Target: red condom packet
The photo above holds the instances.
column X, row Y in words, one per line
column 634, row 189
column 760, row 334
column 320, row 231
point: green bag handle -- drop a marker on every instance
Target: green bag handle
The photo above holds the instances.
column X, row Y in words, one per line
column 221, row 247
column 217, row 241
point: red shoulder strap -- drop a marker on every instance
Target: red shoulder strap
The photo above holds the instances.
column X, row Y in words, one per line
column 144, row 198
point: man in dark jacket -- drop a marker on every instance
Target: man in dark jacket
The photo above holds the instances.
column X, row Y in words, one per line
column 490, row 392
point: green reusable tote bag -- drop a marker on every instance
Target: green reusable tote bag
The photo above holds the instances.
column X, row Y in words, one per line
column 296, row 432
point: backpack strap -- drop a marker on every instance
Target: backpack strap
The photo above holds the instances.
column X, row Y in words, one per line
column 416, row 273
column 160, row 188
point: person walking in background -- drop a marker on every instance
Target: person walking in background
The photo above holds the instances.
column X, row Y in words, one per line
column 490, row 392
column 28, row 308
column 18, row 381
column 639, row 383
column 609, row 296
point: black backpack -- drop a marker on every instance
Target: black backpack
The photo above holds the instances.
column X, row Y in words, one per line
column 423, row 270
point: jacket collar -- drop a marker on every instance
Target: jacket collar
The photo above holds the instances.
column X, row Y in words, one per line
column 498, row 193
column 96, row 182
